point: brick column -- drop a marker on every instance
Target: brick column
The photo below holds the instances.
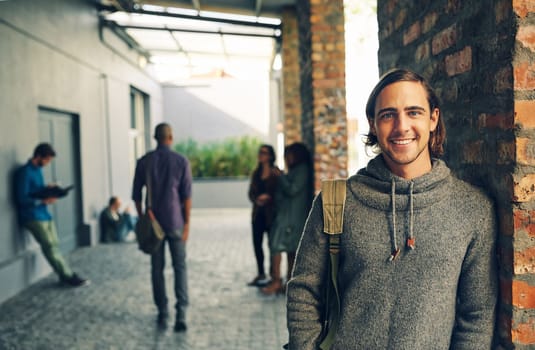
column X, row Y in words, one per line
column 291, row 77
column 522, row 288
column 480, row 59
column 328, row 89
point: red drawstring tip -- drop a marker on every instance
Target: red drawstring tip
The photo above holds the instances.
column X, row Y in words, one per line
column 394, row 254
column 411, row 241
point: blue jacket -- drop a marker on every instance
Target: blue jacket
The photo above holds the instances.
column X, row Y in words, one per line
column 29, row 179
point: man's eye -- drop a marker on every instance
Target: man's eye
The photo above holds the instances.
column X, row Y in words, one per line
column 386, row 116
column 415, row 113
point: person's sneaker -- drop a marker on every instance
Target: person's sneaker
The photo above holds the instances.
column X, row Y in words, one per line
column 76, row 281
column 180, row 326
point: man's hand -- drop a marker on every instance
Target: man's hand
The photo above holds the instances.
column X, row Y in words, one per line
column 185, row 232
column 151, row 214
column 49, row 200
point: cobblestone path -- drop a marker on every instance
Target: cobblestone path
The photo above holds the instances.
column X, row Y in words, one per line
column 116, row 311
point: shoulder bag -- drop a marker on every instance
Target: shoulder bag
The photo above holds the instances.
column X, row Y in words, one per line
column 148, row 231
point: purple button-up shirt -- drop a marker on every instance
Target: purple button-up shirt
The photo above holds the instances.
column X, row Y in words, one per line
column 170, row 185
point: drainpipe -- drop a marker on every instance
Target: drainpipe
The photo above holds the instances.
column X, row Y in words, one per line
column 107, row 126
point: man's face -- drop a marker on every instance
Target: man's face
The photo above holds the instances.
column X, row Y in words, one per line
column 402, row 124
column 116, row 205
column 43, row 161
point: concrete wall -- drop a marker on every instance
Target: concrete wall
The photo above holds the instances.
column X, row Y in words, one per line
column 228, row 193
column 216, row 109
column 52, row 56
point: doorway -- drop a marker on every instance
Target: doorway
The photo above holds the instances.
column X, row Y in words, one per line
column 61, row 130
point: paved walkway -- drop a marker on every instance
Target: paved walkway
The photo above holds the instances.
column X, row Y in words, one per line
column 116, row 311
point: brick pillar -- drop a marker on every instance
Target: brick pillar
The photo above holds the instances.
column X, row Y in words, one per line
column 305, row 72
column 480, row 58
column 322, row 48
column 291, row 77
column 522, row 281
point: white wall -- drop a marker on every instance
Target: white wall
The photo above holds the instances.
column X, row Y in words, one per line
column 51, row 56
column 216, row 109
column 227, row 193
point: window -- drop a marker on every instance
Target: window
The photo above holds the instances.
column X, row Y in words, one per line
column 139, row 126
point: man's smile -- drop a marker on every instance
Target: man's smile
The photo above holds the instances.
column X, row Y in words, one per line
column 402, row 141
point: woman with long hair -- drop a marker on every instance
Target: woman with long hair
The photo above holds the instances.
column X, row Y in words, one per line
column 295, row 191
column 261, row 193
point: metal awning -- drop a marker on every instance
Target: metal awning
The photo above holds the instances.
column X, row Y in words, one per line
column 183, row 39
column 256, row 8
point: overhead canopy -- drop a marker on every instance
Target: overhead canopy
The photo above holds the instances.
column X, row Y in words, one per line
column 188, row 38
column 255, row 8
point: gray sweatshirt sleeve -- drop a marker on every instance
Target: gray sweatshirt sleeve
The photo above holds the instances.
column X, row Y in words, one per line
column 477, row 289
column 304, row 290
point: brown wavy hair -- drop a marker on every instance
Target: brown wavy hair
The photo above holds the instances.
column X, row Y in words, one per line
column 437, row 137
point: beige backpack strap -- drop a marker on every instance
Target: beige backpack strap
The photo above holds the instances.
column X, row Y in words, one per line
column 333, row 195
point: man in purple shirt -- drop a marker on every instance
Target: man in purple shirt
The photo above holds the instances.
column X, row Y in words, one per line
column 170, row 181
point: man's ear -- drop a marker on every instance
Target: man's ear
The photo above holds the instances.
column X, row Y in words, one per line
column 372, row 126
column 435, row 114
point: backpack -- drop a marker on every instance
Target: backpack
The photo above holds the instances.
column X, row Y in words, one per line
column 333, row 194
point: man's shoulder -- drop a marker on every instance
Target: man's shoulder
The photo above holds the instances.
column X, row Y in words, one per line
column 179, row 157
column 469, row 192
column 148, row 154
column 103, row 215
column 22, row 170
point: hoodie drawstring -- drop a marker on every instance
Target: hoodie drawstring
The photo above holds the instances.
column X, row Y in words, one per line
column 395, row 248
column 410, row 239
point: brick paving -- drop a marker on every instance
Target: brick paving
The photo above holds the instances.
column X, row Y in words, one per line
column 116, row 311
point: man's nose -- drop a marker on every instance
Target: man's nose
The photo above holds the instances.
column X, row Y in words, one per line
column 402, row 122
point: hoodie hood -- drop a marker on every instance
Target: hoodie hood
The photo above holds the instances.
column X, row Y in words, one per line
column 373, row 186
column 377, row 187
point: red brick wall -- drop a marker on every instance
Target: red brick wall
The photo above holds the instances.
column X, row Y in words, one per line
column 523, row 256
column 480, row 57
column 322, row 123
column 328, row 88
column 291, row 81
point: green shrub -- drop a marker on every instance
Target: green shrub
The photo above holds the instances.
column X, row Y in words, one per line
column 233, row 157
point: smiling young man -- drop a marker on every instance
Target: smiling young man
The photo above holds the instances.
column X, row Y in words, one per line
column 417, row 267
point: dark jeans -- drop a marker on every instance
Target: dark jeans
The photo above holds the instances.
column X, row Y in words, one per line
column 259, row 228
column 177, row 249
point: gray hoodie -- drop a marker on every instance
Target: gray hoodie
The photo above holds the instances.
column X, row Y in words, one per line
column 440, row 294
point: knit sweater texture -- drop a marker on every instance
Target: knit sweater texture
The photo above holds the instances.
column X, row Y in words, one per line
column 439, row 295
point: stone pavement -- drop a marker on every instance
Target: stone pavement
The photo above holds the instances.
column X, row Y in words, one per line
column 116, row 311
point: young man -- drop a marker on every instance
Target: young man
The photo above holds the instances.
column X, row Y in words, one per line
column 34, row 216
column 417, row 258
column 114, row 225
column 170, row 181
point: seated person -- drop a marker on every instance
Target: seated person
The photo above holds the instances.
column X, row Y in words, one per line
column 115, row 226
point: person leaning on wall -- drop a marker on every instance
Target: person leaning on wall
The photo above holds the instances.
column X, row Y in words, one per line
column 417, row 261
column 33, row 213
